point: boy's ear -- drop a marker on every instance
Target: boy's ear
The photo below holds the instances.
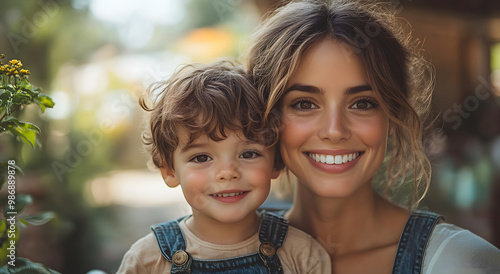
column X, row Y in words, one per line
column 169, row 177
column 275, row 174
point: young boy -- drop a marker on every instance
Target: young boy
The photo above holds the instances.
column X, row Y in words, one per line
column 206, row 136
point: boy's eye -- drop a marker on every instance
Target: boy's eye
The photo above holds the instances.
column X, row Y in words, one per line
column 200, row 158
column 364, row 104
column 303, row 104
column 249, row 154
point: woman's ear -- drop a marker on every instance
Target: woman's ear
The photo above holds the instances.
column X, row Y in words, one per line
column 169, row 177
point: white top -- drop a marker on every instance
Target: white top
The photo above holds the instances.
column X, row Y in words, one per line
column 452, row 249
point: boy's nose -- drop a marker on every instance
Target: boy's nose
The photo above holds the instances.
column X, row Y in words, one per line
column 228, row 172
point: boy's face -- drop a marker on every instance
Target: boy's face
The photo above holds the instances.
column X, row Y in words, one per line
column 225, row 180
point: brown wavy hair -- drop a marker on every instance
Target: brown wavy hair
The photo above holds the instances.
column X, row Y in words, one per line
column 203, row 99
column 394, row 68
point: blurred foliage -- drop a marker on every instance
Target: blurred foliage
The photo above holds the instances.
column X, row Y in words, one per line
column 495, row 57
column 61, row 41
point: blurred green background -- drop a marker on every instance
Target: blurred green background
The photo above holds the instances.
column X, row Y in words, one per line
column 95, row 57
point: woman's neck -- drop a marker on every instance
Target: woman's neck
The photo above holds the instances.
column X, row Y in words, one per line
column 347, row 224
column 216, row 232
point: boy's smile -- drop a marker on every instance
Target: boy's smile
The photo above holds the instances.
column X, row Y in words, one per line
column 229, row 196
column 226, row 180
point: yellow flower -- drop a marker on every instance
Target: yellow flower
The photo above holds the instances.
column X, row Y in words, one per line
column 2, row 56
column 13, row 62
column 25, row 72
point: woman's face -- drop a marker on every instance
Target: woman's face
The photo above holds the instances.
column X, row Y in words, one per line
column 335, row 132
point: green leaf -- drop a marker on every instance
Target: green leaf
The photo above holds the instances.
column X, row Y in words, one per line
column 40, row 219
column 20, row 203
column 12, row 120
column 32, row 93
column 44, row 101
column 25, row 84
column 23, row 223
column 28, row 126
column 24, row 130
column 24, row 265
column 4, row 167
column 22, row 99
column 27, row 136
column 10, row 89
column 4, row 95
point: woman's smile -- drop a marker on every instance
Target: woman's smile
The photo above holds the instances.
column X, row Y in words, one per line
column 335, row 132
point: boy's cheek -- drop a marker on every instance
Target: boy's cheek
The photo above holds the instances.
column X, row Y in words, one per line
column 195, row 187
column 261, row 177
column 196, row 180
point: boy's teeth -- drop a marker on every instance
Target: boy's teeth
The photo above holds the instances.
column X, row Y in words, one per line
column 333, row 159
column 228, row 194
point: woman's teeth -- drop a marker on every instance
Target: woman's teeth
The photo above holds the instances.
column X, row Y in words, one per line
column 333, row 159
column 227, row 194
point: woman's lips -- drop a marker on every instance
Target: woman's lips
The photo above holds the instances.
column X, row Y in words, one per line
column 334, row 162
column 331, row 159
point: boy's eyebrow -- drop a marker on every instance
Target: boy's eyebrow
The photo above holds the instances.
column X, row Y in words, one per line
column 191, row 146
column 313, row 89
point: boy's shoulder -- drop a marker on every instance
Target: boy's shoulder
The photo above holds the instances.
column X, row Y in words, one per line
column 145, row 247
column 301, row 253
column 143, row 256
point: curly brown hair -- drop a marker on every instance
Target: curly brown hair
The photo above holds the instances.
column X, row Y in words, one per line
column 203, row 99
column 393, row 63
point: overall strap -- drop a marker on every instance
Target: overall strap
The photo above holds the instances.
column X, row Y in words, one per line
column 172, row 244
column 413, row 242
column 272, row 233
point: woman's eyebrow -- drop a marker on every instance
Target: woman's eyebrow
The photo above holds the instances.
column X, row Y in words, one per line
column 313, row 89
column 356, row 89
column 301, row 87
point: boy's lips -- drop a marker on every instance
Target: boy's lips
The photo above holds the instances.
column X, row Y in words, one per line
column 229, row 196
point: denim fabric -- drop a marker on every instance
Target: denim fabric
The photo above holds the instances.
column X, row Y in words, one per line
column 273, row 230
column 413, row 242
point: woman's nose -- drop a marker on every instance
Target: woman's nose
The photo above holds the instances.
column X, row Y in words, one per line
column 334, row 126
column 228, row 171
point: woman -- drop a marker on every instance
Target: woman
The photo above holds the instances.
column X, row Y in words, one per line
column 352, row 92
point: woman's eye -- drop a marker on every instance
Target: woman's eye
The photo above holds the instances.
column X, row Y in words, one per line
column 249, row 155
column 363, row 104
column 304, row 105
column 200, row 158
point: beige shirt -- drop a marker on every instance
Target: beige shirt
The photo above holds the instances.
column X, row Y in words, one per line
column 300, row 253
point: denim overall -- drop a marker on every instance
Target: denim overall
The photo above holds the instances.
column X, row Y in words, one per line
column 413, row 242
column 272, row 232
